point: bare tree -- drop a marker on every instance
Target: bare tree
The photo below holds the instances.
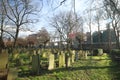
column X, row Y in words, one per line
column 2, row 20
column 113, row 5
column 88, row 20
column 21, row 42
column 31, row 40
column 112, row 8
column 19, row 12
column 80, row 36
column 66, row 23
column 43, row 37
column 98, row 18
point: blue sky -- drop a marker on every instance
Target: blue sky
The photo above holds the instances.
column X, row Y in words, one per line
column 53, row 8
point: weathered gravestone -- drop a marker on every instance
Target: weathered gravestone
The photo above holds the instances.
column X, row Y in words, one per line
column 35, row 64
column 3, row 65
column 80, row 54
column 45, row 54
column 15, row 54
column 72, row 56
column 67, row 59
column 61, row 59
column 76, row 56
column 12, row 74
column 100, row 51
column 51, row 61
column 38, row 51
column 86, row 53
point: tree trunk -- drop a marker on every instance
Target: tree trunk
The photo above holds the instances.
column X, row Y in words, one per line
column 1, row 44
column 16, row 36
column 117, row 38
column 1, row 35
column 118, row 46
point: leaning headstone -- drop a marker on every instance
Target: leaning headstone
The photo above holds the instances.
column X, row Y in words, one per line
column 35, row 64
column 51, row 61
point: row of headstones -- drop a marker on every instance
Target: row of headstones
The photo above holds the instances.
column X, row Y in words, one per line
column 72, row 55
column 65, row 59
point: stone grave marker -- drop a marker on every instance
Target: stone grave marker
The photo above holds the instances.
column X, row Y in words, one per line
column 35, row 64
column 76, row 55
column 3, row 65
column 80, row 54
column 51, row 61
column 100, row 51
column 73, row 56
column 61, row 59
column 86, row 53
column 67, row 59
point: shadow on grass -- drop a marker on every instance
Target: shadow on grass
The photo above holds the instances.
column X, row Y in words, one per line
column 115, row 70
column 43, row 71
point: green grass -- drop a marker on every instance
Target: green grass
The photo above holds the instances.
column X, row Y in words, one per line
column 94, row 68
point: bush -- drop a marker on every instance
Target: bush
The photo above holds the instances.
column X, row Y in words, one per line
column 115, row 52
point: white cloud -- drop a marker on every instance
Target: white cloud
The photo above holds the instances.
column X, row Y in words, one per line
column 26, row 33
column 48, row 11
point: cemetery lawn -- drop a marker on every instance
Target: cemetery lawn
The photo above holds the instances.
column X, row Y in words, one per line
column 92, row 68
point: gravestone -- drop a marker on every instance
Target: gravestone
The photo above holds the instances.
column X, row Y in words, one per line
column 86, row 53
column 69, row 62
column 45, row 54
column 73, row 56
column 15, row 54
column 51, row 61
column 80, row 54
column 34, row 52
column 67, row 59
column 76, row 55
column 61, row 59
column 100, row 51
column 39, row 51
column 35, row 64
column 3, row 65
